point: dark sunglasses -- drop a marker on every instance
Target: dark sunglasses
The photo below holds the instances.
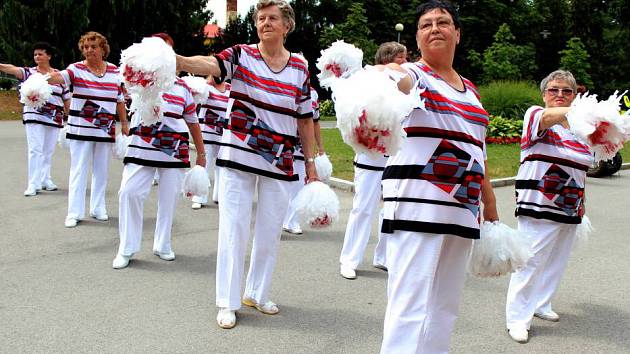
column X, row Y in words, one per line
column 554, row 91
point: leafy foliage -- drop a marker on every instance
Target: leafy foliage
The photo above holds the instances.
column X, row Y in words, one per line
column 504, row 60
column 327, row 108
column 354, row 30
column 575, row 59
column 503, row 131
column 509, row 99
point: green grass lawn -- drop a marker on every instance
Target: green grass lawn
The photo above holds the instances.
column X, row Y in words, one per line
column 503, row 160
column 10, row 107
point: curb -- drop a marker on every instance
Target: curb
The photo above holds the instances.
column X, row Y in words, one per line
column 348, row 186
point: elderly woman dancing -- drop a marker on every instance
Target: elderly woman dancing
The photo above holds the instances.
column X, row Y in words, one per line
column 432, row 190
column 97, row 101
column 269, row 103
column 549, row 202
column 42, row 124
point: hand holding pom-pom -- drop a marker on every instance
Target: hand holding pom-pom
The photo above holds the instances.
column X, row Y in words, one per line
column 148, row 70
column 339, row 60
column 324, row 167
column 370, row 109
column 196, row 182
column 35, row 91
column 121, row 145
column 199, row 88
column 599, row 124
column 499, row 250
column 317, row 205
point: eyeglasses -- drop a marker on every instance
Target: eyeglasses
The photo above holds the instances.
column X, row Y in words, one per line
column 554, row 91
column 440, row 23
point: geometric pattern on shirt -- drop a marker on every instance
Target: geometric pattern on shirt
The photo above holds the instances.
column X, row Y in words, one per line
column 556, row 183
column 165, row 139
column 99, row 116
column 275, row 148
column 448, row 170
column 213, row 120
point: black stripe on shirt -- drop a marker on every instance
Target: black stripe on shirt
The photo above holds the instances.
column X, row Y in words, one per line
column 541, row 206
column 256, row 171
column 425, row 201
column 533, row 185
column 424, row 132
column 548, row 215
column 35, row 121
column 556, row 160
column 367, row 167
column 97, row 139
column 153, row 163
column 95, row 98
column 389, row 226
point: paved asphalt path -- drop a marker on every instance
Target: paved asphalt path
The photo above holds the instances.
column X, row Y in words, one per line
column 59, row 294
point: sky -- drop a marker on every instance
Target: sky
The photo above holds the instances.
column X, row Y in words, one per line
column 218, row 9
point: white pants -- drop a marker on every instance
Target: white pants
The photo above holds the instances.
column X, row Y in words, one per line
column 236, row 198
column 425, row 281
column 212, row 151
column 134, row 190
column 83, row 155
column 532, row 288
column 367, row 196
column 41, row 140
column 291, row 220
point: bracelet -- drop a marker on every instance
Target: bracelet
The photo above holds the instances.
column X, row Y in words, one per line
column 310, row 159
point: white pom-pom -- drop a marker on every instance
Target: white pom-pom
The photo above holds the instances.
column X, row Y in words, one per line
column 199, row 88
column 583, row 232
column 148, row 70
column 317, row 205
column 196, row 182
column 370, row 109
column 61, row 138
column 324, row 167
column 500, row 250
column 35, row 91
column 119, row 148
column 337, row 61
column 598, row 124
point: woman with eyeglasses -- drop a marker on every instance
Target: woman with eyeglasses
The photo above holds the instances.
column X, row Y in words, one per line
column 433, row 190
column 549, row 203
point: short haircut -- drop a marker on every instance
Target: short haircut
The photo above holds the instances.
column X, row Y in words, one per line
column 99, row 38
column 287, row 11
column 443, row 6
column 166, row 37
column 559, row 75
column 45, row 46
column 387, row 52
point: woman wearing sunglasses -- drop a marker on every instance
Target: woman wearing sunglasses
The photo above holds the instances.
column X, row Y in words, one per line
column 549, row 202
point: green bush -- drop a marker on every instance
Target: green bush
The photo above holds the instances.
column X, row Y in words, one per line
column 6, row 84
column 509, row 99
column 326, row 108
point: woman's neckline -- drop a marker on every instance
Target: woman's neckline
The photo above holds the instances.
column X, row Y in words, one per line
column 267, row 64
column 446, row 82
column 92, row 72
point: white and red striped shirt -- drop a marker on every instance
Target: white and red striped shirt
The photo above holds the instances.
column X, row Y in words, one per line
column 263, row 110
column 165, row 144
column 51, row 114
column 550, row 182
column 433, row 184
column 212, row 119
column 93, row 106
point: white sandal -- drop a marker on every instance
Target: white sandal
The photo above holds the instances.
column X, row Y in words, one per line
column 226, row 318
column 268, row 308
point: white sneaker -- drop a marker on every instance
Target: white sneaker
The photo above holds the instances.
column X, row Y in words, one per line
column 196, row 206
column 102, row 217
column 226, row 318
column 49, row 186
column 71, row 222
column 548, row 316
column 295, row 231
column 168, row 256
column 379, row 266
column 121, row 261
column 347, row 272
column 519, row 335
column 30, row 191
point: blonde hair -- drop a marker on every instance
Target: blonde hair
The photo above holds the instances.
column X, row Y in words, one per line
column 99, row 38
column 388, row 51
column 287, row 11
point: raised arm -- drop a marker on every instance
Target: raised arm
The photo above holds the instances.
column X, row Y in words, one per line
column 553, row 116
column 199, row 65
column 12, row 70
column 56, row 78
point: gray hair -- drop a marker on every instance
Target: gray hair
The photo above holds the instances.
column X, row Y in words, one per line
column 287, row 11
column 559, row 75
column 387, row 52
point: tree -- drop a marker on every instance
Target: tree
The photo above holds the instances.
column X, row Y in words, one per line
column 574, row 58
column 354, row 30
column 504, row 60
